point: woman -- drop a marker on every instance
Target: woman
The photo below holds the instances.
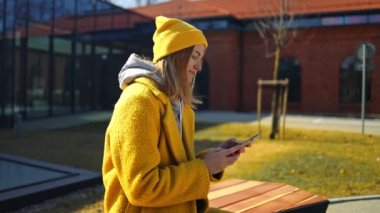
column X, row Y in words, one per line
column 149, row 163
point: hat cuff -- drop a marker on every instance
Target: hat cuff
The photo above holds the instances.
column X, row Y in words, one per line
column 177, row 43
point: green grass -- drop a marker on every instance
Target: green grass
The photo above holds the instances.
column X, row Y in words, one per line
column 328, row 163
column 333, row 164
column 79, row 146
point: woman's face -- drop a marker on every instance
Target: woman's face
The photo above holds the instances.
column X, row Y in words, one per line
column 195, row 62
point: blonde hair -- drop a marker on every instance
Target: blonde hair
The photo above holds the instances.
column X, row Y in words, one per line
column 173, row 70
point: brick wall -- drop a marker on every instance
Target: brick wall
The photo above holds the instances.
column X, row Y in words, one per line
column 224, row 69
column 320, row 52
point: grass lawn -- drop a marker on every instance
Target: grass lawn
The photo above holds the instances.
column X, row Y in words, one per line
column 332, row 164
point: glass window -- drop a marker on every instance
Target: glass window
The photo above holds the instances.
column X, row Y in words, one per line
column 219, row 24
column 20, row 73
column 37, row 84
column 203, row 25
column 21, row 13
column 351, row 81
column 61, row 90
column 290, row 69
column 41, row 10
column 103, row 21
column 2, row 41
column 58, row 66
column 64, row 8
column 375, row 18
column 8, row 17
column 38, row 59
column 307, row 22
column 331, row 21
column 7, row 53
column 356, row 19
column 86, row 16
column 1, row 9
column 85, row 7
column 103, row 7
column 64, row 13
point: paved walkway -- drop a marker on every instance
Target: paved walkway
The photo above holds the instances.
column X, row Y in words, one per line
column 65, row 121
column 363, row 204
column 371, row 126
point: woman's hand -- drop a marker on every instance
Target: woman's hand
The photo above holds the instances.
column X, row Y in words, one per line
column 231, row 143
column 218, row 159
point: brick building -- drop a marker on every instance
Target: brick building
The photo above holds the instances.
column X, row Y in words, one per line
column 319, row 61
column 62, row 57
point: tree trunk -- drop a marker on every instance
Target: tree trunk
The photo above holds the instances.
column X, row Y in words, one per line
column 276, row 63
column 275, row 97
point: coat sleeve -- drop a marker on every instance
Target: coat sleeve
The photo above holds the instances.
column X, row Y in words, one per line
column 134, row 135
column 215, row 177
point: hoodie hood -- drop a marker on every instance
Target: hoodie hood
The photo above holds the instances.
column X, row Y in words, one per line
column 136, row 67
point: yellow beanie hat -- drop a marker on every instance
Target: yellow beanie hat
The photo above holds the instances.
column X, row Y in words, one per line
column 173, row 35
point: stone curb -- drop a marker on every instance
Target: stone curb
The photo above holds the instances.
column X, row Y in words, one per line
column 354, row 198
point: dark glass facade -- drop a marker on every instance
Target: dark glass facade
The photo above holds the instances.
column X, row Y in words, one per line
column 350, row 90
column 62, row 57
column 327, row 20
column 290, row 69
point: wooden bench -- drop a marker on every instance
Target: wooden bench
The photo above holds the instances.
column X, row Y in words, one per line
column 237, row 195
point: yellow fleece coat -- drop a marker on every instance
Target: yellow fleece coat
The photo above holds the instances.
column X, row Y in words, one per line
column 147, row 166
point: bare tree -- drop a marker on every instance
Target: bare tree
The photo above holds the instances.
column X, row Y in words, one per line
column 277, row 30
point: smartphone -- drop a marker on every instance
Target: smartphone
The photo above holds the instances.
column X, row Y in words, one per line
column 250, row 140
column 244, row 143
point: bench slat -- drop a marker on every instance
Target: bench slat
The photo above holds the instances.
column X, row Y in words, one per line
column 244, row 194
column 260, row 200
column 312, row 201
column 253, row 196
column 226, row 183
column 232, row 189
column 282, row 202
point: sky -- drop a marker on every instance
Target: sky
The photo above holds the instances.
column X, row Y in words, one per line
column 130, row 3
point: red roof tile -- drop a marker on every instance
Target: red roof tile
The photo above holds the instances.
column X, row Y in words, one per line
column 183, row 9
column 245, row 9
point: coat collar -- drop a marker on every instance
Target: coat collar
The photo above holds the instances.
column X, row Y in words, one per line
column 182, row 148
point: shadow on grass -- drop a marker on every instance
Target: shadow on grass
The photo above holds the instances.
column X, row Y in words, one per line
column 205, row 144
column 99, row 127
column 202, row 125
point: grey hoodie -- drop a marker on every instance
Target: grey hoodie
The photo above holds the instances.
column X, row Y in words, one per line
column 136, row 67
